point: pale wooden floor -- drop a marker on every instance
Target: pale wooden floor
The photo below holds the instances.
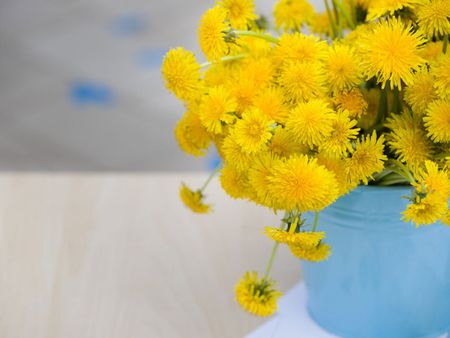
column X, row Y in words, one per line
column 90, row 256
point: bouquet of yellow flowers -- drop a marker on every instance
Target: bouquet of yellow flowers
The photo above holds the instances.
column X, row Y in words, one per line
column 303, row 112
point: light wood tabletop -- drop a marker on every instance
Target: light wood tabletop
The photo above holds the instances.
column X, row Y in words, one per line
column 118, row 255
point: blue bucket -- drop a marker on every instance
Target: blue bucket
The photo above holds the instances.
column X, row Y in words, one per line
column 385, row 278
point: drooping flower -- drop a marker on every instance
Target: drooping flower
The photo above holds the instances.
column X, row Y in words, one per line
column 311, row 122
column 390, row 52
column 194, row 200
column 433, row 17
column 292, row 14
column 408, row 139
column 313, row 254
column 367, row 158
column 257, row 295
column 437, row 121
column 216, row 109
column 191, row 135
column 300, row 183
column 342, row 67
column 427, row 210
column 302, row 81
column 211, row 33
column 239, row 12
column 253, row 131
column 181, row 73
column 303, row 238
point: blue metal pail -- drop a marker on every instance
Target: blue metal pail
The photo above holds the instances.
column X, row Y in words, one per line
column 385, row 278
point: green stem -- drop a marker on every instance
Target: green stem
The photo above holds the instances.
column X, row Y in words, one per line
column 346, row 14
column 330, row 18
column 224, row 59
column 316, row 219
column 272, row 257
column 213, row 173
column 397, row 103
column 445, row 45
column 382, row 106
column 258, row 35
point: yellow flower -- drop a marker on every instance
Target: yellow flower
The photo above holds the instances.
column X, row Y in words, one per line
column 194, row 200
column 431, row 51
column 421, row 92
column 259, row 72
column 437, row 121
column 390, row 52
column 239, row 12
column 181, row 73
column 313, row 254
column 285, row 145
column 367, row 158
column 303, row 238
column 234, row 182
column 216, row 108
column 342, row 67
column 292, row 14
column 253, row 131
column 352, row 101
column 233, row 154
column 441, row 73
column 408, row 139
column 311, row 122
column 270, row 102
column 372, row 97
column 434, row 180
column 300, row 183
column 379, row 8
column 433, row 17
column 340, row 170
column 426, row 210
column 446, row 218
column 343, row 132
column 258, row 177
column 299, row 47
column 211, row 33
column 302, row 81
column 191, row 135
column 320, row 24
column 257, row 296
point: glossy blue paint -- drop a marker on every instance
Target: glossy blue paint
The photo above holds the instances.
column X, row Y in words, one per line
column 385, row 278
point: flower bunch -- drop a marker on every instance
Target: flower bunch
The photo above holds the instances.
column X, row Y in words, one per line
column 305, row 111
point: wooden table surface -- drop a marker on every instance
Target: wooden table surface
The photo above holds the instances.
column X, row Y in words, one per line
column 118, row 255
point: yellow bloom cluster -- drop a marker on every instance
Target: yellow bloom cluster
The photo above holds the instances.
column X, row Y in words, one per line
column 301, row 119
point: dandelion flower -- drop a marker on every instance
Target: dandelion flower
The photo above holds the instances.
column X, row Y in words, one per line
column 379, row 8
column 431, row 51
column 367, row 158
column 320, row 24
column 292, row 14
column 352, row 101
column 311, row 122
column 434, row 180
column 408, row 139
column 312, row 254
column 216, row 108
column 191, row 135
column 258, row 177
column 193, row 200
column 339, row 167
column 441, row 72
column 433, row 17
column 343, row 132
column 299, row 47
column 342, row 67
column 233, row 154
column 234, row 182
column 239, row 12
column 303, row 238
column 302, row 81
column 211, row 33
column 421, row 92
column 426, row 210
column 259, row 71
column 390, row 52
column 243, row 91
column 284, row 144
column 181, row 73
column 437, row 121
column 257, row 296
column 253, row 131
column 300, row 183
column 270, row 103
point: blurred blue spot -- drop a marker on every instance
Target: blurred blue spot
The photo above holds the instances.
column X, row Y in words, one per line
column 83, row 93
column 129, row 24
column 150, row 57
column 213, row 159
